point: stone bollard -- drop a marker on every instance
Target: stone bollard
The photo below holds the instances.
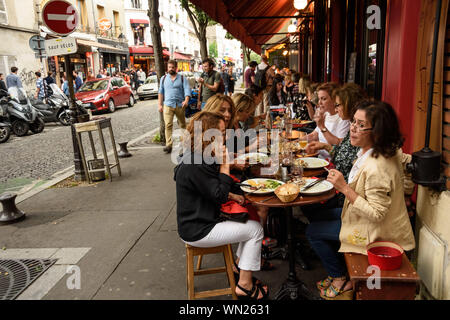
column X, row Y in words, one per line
column 10, row 212
column 123, row 152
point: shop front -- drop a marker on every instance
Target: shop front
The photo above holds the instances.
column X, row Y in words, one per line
column 116, row 58
column 142, row 57
column 184, row 61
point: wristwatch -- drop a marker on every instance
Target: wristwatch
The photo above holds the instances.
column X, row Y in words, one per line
column 324, row 130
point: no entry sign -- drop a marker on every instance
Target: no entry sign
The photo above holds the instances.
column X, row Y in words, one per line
column 60, row 17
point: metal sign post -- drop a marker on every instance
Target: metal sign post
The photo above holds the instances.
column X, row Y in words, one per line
column 62, row 18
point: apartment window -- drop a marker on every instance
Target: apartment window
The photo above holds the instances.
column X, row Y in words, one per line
column 136, row 4
column 117, row 28
column 81, row 4
column 101, row 12
column 3, row 14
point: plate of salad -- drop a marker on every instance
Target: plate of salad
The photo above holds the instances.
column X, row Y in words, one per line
column 261, row 186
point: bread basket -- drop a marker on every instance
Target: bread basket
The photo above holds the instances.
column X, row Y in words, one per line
column 287, row 192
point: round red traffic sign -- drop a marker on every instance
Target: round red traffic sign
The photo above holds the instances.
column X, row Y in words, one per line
column 60, row 17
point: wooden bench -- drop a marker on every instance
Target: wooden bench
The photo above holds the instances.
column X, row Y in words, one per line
column 398, row 284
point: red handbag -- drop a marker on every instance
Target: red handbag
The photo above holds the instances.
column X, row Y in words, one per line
column 233, row 211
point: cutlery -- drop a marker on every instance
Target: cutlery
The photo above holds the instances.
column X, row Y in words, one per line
column 245, row 185
column 313, row 184
column 258, row 188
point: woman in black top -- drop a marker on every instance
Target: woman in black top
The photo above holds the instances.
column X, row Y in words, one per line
column 203, row 184
column 277, row 95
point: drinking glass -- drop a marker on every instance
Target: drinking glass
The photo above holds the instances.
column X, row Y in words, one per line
column 297, row 170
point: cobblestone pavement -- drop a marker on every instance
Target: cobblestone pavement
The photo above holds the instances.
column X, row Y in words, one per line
column 40, row 156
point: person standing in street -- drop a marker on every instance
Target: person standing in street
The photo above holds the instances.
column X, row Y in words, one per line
column 2, row 86
column 78, row 80
column 231, row 81
column 209, row 82
column 40, row 91
column 141, row 77
column 173, row 98
column 13, row 80
column 249, row 76
column 225, row 79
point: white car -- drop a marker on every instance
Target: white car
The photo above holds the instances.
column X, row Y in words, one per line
column 149, row 89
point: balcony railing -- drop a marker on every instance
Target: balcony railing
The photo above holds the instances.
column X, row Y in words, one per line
column 115, row 33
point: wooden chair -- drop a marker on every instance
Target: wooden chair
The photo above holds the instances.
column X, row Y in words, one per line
column 398, row 284
column 191, row 252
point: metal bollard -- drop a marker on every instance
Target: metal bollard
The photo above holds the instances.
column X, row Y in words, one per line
column 10, row 212
column 123, row 152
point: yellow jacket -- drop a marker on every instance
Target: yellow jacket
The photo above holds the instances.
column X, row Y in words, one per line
column 379, row 213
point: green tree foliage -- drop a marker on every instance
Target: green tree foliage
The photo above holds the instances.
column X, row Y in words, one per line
column 213, row 49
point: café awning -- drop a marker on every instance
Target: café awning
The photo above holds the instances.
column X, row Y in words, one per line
column 234, row 16
column 146, row 50
column 139, row 22
column 180, row 56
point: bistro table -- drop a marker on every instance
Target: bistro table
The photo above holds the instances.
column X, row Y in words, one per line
column 292, row 288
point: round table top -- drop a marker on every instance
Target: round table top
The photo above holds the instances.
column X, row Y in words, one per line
column 255, row 171
column 301, row 200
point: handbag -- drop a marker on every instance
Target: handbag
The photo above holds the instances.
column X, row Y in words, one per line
column 233, row 211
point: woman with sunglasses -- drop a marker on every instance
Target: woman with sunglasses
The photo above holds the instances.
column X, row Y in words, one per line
column 374, row 208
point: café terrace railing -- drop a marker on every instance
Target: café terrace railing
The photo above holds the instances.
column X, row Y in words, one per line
column 115, row 33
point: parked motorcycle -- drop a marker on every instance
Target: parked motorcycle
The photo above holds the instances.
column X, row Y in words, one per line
column 57, row 107
column 5, row 125
column 22, row 114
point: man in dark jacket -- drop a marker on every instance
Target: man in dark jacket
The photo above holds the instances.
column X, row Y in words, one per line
column 2, row 86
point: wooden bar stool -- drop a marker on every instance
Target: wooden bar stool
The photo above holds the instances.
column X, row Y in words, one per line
column 89, row 127
column 191, row 252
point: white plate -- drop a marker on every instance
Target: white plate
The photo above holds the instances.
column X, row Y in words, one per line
column 253, row 158
column 259, row 180
column 319, row 188
column 315, row 163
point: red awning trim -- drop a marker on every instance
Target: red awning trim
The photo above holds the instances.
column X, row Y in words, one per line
column 146, row 50
column 223, row 12
column 180, row 56
column 139, row 21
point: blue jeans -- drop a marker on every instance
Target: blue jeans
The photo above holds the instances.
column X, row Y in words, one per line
column 323, row 235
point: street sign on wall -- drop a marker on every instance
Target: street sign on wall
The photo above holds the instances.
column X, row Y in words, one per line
column 37, row 43
column 61, row 46
column 104, row 24
column 60, row 17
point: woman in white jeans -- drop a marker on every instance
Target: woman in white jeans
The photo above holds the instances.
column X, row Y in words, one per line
column 203, row 184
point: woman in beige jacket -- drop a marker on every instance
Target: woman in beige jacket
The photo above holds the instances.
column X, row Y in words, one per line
column 374, row 207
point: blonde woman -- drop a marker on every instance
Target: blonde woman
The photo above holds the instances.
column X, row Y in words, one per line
column 222, row 104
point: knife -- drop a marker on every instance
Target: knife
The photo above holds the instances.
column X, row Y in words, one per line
column 313, row 184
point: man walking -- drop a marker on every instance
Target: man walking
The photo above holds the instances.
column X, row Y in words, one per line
column 249, row 76
column 13, row 80
column 40, row 90
column 141, row 77
column 209, row 82
column 173, row 98
column 78, row 80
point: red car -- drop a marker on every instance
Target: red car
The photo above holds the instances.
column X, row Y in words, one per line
column 105, row 94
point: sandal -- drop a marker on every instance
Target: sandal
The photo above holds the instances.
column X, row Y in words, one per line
column 253, row 294
column 323, row 284
column 339, row 294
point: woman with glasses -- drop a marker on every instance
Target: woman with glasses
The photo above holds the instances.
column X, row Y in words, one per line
column 374, row 208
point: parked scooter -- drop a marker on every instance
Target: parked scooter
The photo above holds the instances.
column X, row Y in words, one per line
column 57, row 107
column 191, row 108
column 5, row 125
column 22, row 114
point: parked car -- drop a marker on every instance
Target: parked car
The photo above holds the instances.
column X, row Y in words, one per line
column 149, row 89
column 105, row 94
